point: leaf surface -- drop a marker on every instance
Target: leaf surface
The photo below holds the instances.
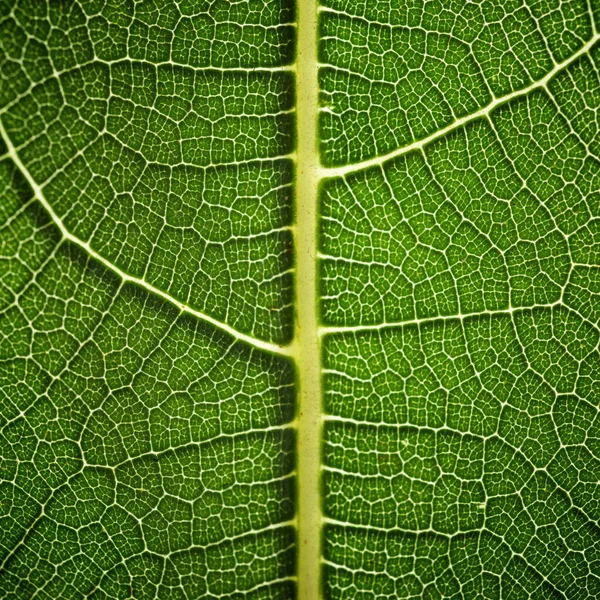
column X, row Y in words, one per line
column 299, row 300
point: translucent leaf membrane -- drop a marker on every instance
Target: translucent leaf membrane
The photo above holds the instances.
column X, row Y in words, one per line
column 147, row 401
column 459, row 280
column 146, row 452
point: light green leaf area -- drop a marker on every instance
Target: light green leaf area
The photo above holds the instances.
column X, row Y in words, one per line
column 460, row 283
column 153, row 369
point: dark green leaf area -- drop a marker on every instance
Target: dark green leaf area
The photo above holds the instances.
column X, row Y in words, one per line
column 408, row 565
column 574, row 90
column 444, row 437
column 499, row 214
column 384, row 87
column 172, row 170
column 461, row 444
column 137, row 442
column 563, row 26
column 168, row 115
column 218, row 34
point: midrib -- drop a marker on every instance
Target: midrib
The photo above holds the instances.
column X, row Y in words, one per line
column 306, row 345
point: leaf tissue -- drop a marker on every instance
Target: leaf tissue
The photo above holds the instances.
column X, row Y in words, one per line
column 300, row 299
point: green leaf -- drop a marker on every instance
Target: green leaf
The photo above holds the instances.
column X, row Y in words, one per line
column 299, row 300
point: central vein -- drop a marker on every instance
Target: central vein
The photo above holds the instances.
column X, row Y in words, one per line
column 306, row 341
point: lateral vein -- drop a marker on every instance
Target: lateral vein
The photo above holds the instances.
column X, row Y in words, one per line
column 67, row 235
column 483, row 112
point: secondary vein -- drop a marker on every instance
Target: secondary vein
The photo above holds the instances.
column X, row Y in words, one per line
column 67, row 235
column 483, row 112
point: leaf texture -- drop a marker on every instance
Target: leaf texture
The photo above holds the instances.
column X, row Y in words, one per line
column 461, row 300
column 154, row 368
column 146, row 452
